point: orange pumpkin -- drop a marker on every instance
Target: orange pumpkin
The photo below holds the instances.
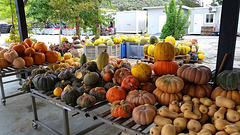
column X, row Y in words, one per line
column 139, row 97
column 28, row 60
column 169, row 83
column 41, row 47
column 231, row 94
column 52, row 56
column 2, row 53
column 28, row 41
column 19, row 48
column 39, row 58
column 11, row 45
column 33, row 45
column 143, row 114
column 3, row 63
column 115, row 93
column 23, row 43
column 10, row 55
column 165, row 67
column 122, row 108
column 19, row 62
column 29, row 51
column 165, row 98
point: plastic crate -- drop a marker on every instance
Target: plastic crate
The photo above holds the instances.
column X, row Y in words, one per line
column 123, row 50
column 93, row 51
column 134, row 50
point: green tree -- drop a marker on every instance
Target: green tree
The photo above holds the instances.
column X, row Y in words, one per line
column 176, row 22
column 190, row 3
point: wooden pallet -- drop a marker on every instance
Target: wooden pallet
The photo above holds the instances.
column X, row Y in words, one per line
column 149, row 58
column 192, row 61
column 181, row 57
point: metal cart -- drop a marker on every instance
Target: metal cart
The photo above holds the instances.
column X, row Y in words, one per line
column 11, row 71
column 126, row 124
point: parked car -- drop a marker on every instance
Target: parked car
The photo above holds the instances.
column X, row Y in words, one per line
column 5, row 27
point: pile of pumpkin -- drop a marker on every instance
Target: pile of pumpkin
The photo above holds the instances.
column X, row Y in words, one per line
column 26, row 54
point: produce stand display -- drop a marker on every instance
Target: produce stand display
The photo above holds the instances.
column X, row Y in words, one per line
column 11, row 71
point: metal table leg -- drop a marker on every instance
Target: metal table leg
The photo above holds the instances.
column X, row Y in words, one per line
column 66, row 122
column 35, row 116
column 3, row 99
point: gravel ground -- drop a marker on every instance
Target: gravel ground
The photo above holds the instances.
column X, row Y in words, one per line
column 207, row 43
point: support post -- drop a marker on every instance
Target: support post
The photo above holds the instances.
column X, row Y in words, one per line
column 22, row 25
column 228, row 32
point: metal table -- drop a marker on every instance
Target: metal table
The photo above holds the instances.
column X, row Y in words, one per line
column 11, row 71
column 105, row 117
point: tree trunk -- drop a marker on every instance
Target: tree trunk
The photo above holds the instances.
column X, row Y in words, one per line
column 60, row 22
column 77, row 29
column 97, row 33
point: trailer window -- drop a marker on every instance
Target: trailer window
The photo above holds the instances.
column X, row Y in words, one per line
column 209, row 18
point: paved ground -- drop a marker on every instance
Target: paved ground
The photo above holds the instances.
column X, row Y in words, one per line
column 16, row 116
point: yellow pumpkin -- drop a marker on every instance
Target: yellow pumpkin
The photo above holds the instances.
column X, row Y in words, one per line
column 152, row 51
column 164, row 51
column 201, row 52
column 141, row 71
column 145, row 48
column 57, row 92
column 149, row 49
column 69, row 61
column 188, row 41
column 76, row 59
column 183, row 49
column 97, row 42
column 200, row 56
column 67, row 56
column 117, row 40
column 170, row 39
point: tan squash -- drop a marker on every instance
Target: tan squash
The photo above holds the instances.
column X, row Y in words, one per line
column 189, row 102
column 221, row 133
column 167, row 113
column 232, row 115
column 161, row 121
column 10, row 55
column 237, row 107
column 230, row 129
column 181, row 122
column 196, row 100
column 156, row 130
column 211, row 111
column 186, row 98
column 204, row 132
column 168, row 129
column 194, row 125
column 207, row 102
column 190, row 115
column 210, row 127
column 143, row 114
column 220, row 124
column 204, row 118
column 224, row 102
column 196, row 110
column 174, row 108
column 220, row 113
column 186, row 106
column 19, row 62
column 203, row 109
column 177, row 128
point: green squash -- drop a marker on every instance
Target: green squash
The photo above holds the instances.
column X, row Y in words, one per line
column 75, row 68
column 39, row 70
column 77, row 83
column 62, row 84
column 109, row 85
column 144, row 40
column 80, row 73
column 99, row 93
column 84, row 89
column 91, row 78
column 70, row 96
column 153, row 39
column 65, row 75
column 26, row 85
column 102, row 60
column 86, row 100
column 229, row 79
column 145, row 48
column 45, row 82
column 83, row 59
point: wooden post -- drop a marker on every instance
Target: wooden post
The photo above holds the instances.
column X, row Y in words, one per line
column 22, row 25
column 228, row 32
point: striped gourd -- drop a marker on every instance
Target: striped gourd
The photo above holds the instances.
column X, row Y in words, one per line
column 150, row 48
column 164, row 51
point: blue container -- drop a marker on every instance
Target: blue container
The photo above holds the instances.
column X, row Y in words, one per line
column 123, row 50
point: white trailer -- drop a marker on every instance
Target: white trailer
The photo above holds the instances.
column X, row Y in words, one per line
column 131, row 22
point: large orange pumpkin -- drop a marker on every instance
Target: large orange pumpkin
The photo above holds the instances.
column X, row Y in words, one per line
column 139, row 97
column 130, row 83
column 10, row 55
column 169, row 83
column 143, row 114
column 29, row 51
column 195, row 74
column 19, row 48
column 52, row 56
column 28, row 41
column 23, row 43
column 11, row 45
column 115, row 93
column 122, row 108
column 41, row 47
column 28, row 60
column 199, row 91
column 165, row 98
column 164, row 51
column 231, row 94
column 165, row 67
column 3, row 63
column 39, row 58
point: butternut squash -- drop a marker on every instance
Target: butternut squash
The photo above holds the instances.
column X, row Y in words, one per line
column 236, row 133
column 207, row 102
column 220, row 124
column 204, row 119
column 181, row 114
column 167, row 113
column 221, row 133
column 196, row 109
column 237, row 107
column 185, row 107
column 232, row 116
column 202, row 100
column 175, row 102
column 168, row 129
column 194, row 125
column 192, row 133
column 213, row 119
column 224, row 102
column 189, row 102
column 156, row 130
column 190, row 115
column 214, row 106
column 183, row 134
column 186, row 98
column 177, row 128
column 238, row 123
column 204, row 132
column 210, row 127
column 211, row 111
column 231, row 128
column 220, row 113
column 203, row 109
column 174, row 108
column 181, row 122
column 161, row 121
column 196, row 100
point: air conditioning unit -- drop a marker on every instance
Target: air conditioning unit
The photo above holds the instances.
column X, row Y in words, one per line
column 212, row 9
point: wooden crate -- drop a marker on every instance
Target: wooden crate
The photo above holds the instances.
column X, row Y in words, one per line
column 206, row 30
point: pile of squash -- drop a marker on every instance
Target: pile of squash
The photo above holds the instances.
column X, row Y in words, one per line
column 26, row 54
